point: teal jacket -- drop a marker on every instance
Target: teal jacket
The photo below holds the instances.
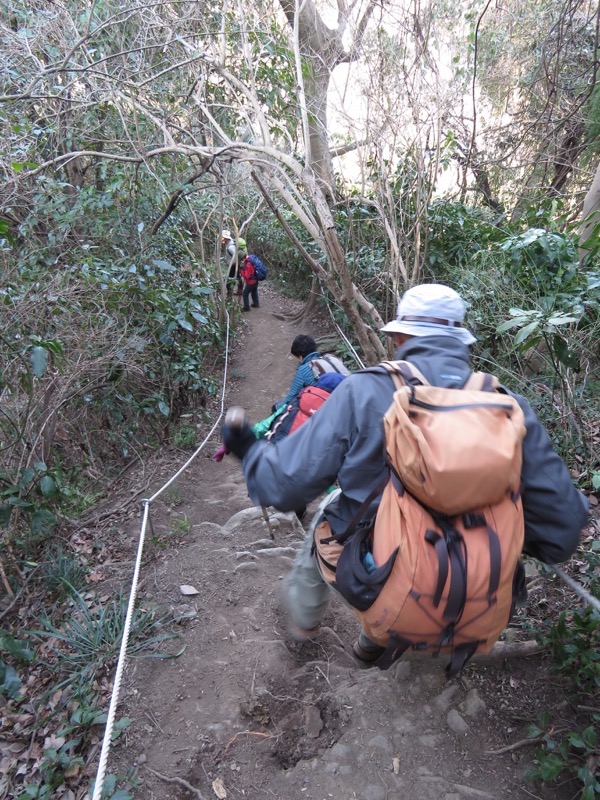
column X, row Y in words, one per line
column 303, row 377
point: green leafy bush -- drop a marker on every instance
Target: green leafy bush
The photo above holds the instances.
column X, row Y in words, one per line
column 575, row 644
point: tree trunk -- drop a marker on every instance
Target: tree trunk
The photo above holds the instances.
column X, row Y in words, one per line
column 590, row 214
column 362, row 315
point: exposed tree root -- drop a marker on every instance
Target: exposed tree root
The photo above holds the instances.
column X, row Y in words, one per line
column 514, row 746
column 503, row 650
column 247, row 733
column 179, row 781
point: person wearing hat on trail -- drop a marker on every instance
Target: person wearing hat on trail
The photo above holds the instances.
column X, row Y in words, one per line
column 345, row 442
column 234, row 256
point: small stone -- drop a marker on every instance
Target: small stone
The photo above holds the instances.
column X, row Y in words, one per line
column 443, row 700
column 456, row 722
column 402, row 671
column 380, row 743
column 341, row 751
column 313, row 722
column 244, row 554
column 531, row 569
column 472, row 704
column 277, row 551
column 374, row 793
column 142, row 758
column 183, row 612
column 247, row 566
column 188, row 590
column 404, row 724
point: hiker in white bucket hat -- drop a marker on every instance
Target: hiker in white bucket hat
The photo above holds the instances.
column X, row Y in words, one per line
column 234, row 256
column 431, row 309
column 346, row 441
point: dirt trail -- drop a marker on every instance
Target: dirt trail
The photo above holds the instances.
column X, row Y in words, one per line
column 245, row 713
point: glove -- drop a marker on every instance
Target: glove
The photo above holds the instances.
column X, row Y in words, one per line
column 219, row 454
column 238, row 440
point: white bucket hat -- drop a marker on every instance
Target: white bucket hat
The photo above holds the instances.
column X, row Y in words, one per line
column 431, row 309
column 225, row 234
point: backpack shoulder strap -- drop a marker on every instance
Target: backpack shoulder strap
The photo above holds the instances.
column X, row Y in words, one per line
column 404, row 374
column 482, row 382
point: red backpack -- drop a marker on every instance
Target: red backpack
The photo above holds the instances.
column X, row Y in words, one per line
column 308, row 402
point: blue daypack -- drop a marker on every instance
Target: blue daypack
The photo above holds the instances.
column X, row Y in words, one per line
column 260, row 271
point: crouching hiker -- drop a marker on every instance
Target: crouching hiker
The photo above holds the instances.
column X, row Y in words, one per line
column 287, row 419
column 424, row 544
column 312, row 365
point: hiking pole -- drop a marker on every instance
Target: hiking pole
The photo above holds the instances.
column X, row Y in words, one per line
column 235, row 418
column 266, row 519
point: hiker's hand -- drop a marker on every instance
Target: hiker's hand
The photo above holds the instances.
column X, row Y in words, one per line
column 219, row 454
column 238, row 437
column 238, row 440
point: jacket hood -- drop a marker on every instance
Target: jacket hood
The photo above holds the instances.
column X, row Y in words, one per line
column 442, row 360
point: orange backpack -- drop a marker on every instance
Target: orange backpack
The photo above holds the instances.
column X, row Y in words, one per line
column 437, row 568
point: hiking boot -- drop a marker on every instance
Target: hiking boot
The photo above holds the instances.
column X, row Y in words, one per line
column 301, row 635
column 245, row 309
column 366, row 656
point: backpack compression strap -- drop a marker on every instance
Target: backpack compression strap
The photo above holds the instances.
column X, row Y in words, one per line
column 404, row 374
column 411, row 376
column 319, row 367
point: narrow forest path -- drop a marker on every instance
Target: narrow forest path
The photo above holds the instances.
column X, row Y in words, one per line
column 245, row 713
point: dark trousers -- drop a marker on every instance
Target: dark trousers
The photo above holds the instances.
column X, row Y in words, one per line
column 253, row 291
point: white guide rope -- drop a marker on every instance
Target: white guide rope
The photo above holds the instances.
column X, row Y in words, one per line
column 357, row 358
column 106, row 742
column 577, row 588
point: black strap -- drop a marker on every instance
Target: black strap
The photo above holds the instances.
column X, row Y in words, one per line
column 476, row 520
column 395, row 649
column 441, row 551
column 452, row 323
column 457, row 594
column 330, row 362
column 460, row 656
column 358, row 517
column 457, row 553
column 407, row 374
column 488, row 383
column 495, row 563
column 324, row 561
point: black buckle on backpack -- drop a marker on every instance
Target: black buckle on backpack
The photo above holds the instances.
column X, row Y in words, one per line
column 472, row 520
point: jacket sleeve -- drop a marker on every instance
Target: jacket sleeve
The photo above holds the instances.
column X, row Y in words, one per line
column 303, row 377
column 299, row 467
column 555, row 511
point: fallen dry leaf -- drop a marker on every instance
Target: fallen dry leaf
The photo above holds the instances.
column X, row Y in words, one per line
column 219, row 789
